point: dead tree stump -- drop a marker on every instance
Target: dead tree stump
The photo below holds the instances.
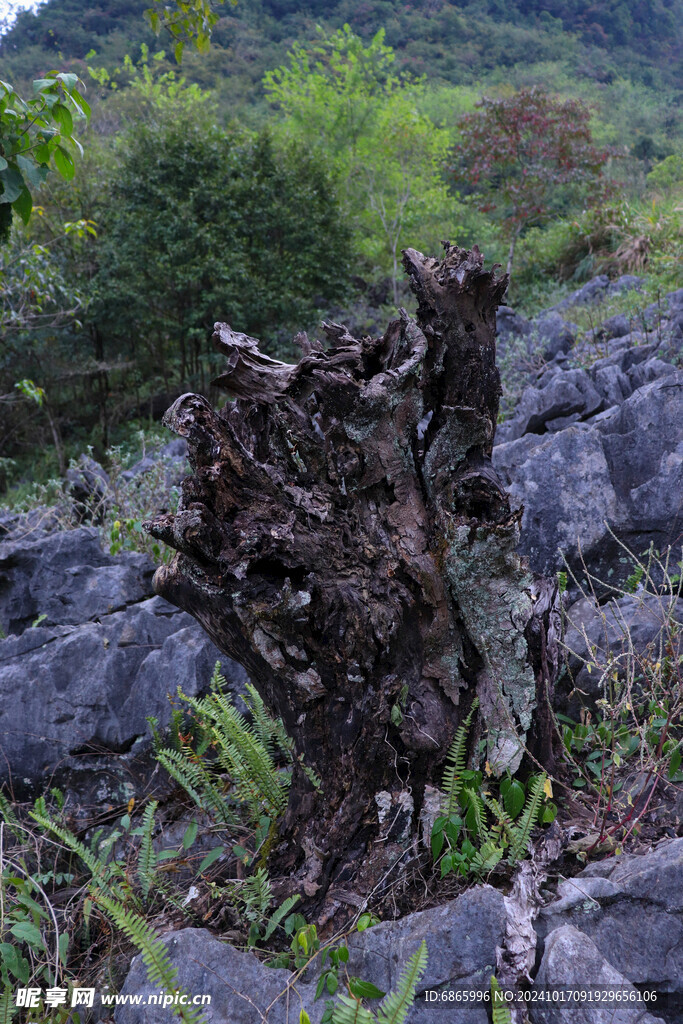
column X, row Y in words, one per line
column 344, row 536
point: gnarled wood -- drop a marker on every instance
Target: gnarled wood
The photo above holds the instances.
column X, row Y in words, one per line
column 344, row 536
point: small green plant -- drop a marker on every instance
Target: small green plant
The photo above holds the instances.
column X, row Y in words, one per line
column 474, row 830
column 227, row 765
column 500, row 1011
column 349, row 1008
column 636, row 720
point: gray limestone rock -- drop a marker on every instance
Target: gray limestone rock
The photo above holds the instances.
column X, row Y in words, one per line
column 623, row 473
column 572, row 961
column 633, row 623
column 462, row 937
column 631, row 908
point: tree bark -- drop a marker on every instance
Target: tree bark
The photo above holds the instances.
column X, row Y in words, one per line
column 344, row 536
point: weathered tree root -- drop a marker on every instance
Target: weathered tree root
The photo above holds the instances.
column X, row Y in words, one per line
column 345, row 537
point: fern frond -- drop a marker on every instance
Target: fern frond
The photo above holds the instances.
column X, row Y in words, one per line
column 395, row 1006
column 349, row 1010
column 503, row 819
column 8, row 1007
column 254, row 893
column 486, row 858
column 242, row 754
column 500, row 1012
column 270, row 731
column 160, row 971
column 147, row 858
column 476, row 813
column 197, row 782
column 101, row 871
column 280, row 914
column 456, row 763
column 522, row 828
column 9, row 817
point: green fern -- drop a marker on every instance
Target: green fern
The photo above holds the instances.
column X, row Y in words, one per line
column 500, row 1012
column 486, row 858
column 147, row 858
column 160, row 971
column 394, row 1009
column 504, row 826
column 241, row 753
column 8, row 1007
column 475, row 815
column 278, row 916
column 254, row 894
column 456, row 763
column 192, row 776
column 522, row 828
column 103, row 874
column 349, row 1010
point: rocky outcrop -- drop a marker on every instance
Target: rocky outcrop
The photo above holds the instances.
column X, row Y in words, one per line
column 598, row 445
column 89, row 654
column 622, row 474
column 620, row 635
column 590, row 936
column 621, row 918
column 571, row 963
column 461, row 936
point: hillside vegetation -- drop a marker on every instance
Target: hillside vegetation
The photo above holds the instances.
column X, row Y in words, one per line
column 274, row 180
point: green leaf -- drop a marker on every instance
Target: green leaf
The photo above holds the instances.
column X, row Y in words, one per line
column 513, row 798
column 13, row 184
column 178, row 51
column 23, row 204
column 64, row 163
column 3, row 163
column 62, row 115
column 27, row 932
column 69, row 79
column 332, row 982
column 41, row 84
column 211, row 858
column 365, row 989
column 190, row 835
column 437, row 844
column 548, row 814
column 675, row 762
column 167, row 855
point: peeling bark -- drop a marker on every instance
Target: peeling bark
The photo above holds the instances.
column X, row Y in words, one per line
column 345, row 537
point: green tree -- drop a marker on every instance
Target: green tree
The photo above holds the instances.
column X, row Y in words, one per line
column 340, row 98
column 202, row 224
column 36, row 136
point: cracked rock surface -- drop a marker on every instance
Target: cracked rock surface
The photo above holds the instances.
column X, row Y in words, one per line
column 103, row 654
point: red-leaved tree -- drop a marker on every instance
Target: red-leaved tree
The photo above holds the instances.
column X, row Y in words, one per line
column 528, row 157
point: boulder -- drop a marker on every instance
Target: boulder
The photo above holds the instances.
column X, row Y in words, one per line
column 630, row 909
column 623, row 472
column 88, row 653
column 88, row 689
column 555, row 335
column 572, row 961
column 622, row 630
column 462, row 937
column 64, row 577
